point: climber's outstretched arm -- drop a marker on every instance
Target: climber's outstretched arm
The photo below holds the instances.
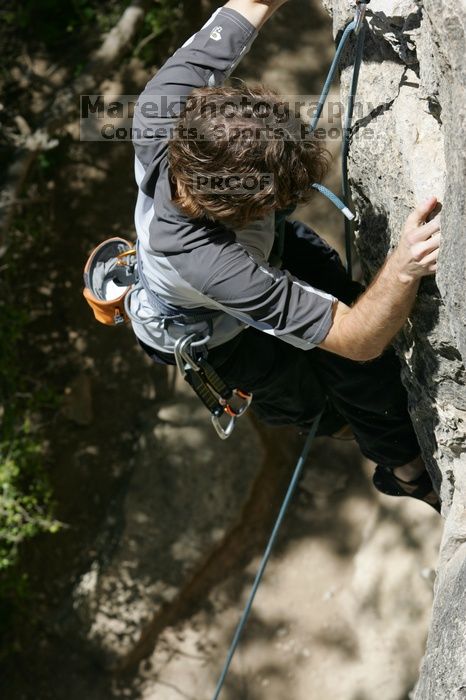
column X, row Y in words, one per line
column 363, row 331
column 256, row 11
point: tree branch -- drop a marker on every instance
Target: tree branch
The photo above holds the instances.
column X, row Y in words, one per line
column 65, row 105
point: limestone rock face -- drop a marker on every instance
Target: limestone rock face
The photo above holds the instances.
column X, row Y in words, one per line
column 408, row 143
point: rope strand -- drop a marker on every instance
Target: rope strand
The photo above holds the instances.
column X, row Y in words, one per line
column 289, row 495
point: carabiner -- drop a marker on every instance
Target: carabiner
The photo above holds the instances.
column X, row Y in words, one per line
column 233, row 412
column 224, row 433
column 201, row 378
column 182, row 355
column 121, row 257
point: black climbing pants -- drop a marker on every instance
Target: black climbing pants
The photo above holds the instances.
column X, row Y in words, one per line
column 291, row 386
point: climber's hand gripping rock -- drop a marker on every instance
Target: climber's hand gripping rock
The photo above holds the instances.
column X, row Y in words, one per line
column 417, row 252
column 363, row 331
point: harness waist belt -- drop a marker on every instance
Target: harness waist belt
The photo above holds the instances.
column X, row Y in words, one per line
column 166, row 310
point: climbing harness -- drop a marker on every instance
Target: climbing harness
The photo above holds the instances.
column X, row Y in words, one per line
column 113, row 273
column 357, row 27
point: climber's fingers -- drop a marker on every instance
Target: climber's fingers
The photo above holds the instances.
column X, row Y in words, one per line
column 431, row 259
column 420, row 241
column 422, row 211
column 424, row 232
column 426, row 251
column 427, row 230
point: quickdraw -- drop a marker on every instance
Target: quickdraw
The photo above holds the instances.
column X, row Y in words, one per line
column 216, row 396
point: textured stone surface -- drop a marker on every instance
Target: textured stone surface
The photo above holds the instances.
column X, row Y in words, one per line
column 185, row 494
column 410, row 144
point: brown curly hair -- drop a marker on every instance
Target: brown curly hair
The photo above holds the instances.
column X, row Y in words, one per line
column 244, row 132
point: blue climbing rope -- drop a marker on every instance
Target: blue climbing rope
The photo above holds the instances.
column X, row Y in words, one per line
column 289, row 495
column 346, row 145
column 347, row 213
column 357, row 27
column 331, row 74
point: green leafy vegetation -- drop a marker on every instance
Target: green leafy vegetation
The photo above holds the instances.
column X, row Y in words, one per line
column 162, row 17
column 161, row 24
column 61, row 37
column 66, row 31
column 25, row 496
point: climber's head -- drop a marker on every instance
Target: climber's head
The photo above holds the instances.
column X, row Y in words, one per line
column 240, row 153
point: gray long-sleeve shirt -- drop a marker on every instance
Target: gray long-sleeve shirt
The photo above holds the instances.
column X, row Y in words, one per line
column 196, row 263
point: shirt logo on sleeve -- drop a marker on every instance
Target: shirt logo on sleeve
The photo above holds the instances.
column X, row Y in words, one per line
column 216, row 33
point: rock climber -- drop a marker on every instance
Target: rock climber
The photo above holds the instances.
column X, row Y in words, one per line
column 291, row 328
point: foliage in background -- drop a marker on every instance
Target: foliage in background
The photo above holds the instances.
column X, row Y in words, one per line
column 163, row 16
column 25, row 496
column 61, row 33
column 160, row 24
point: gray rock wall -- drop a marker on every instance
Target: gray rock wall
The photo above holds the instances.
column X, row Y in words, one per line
column 408, row 142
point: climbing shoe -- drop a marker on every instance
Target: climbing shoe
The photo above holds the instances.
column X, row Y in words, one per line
column 386, row 482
